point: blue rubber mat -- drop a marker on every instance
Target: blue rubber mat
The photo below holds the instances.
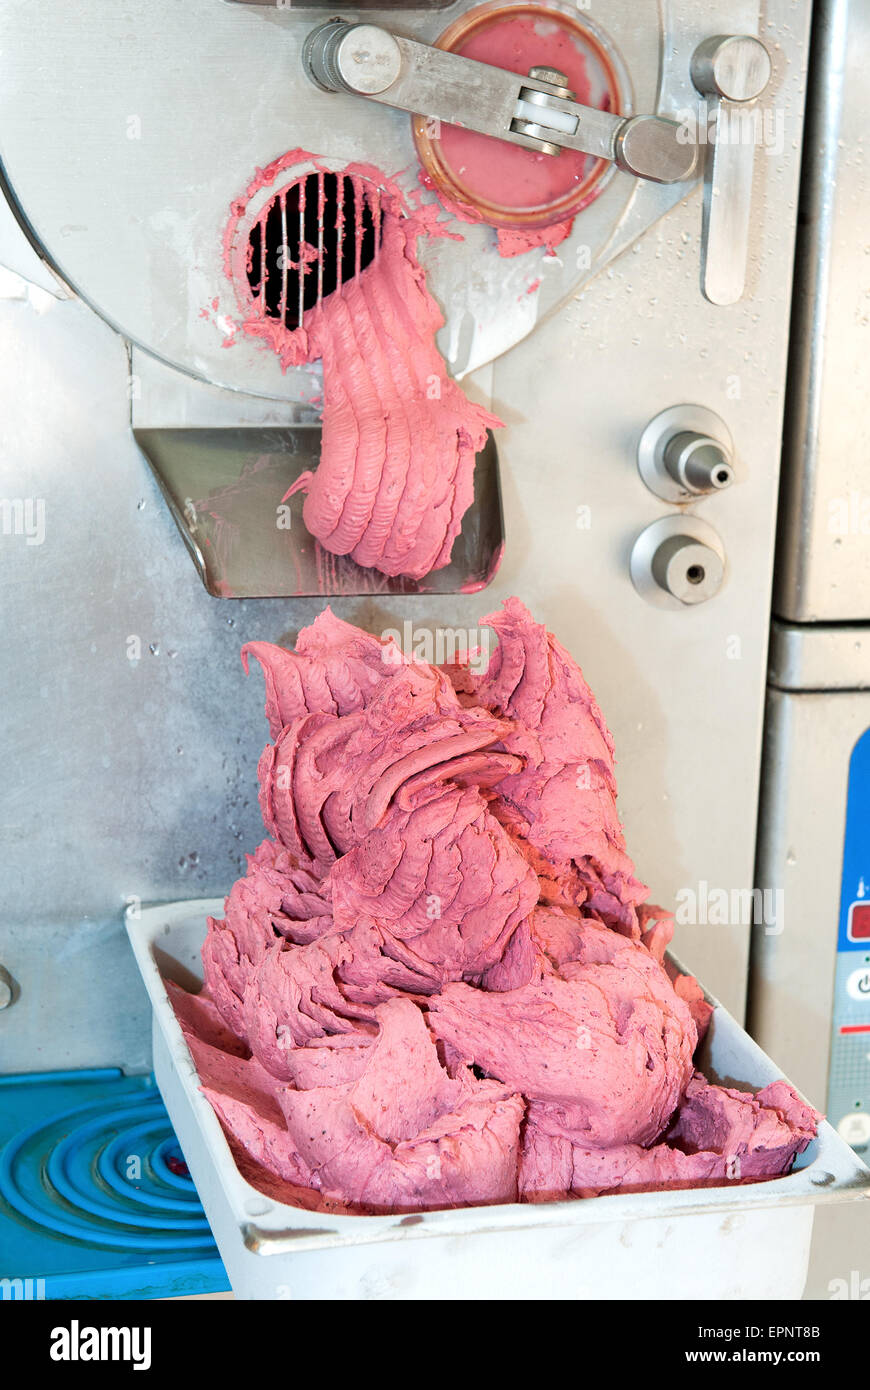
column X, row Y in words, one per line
column 95, row 1197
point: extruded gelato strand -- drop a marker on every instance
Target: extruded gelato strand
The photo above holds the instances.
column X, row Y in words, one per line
column 438, row 983
column 396, row 473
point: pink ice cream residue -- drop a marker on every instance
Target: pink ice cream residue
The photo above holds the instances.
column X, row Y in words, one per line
column 508, row 174
column 396, row 473
column 437, row 983
column 492, row 177
column 510, row 241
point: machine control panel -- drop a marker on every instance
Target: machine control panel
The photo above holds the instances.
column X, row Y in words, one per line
column 849, row 1077
column 858, row 928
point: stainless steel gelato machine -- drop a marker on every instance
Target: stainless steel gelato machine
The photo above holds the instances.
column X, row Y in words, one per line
column 629, row 330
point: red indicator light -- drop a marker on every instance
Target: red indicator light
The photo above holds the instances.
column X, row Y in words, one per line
column 859, row 922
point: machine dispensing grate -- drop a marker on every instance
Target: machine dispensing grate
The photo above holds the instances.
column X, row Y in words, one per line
column 313, row 233
column 312, row 237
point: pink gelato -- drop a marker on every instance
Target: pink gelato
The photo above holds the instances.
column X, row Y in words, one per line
column 530, row 198
column 493, row 172
column 396, row 472
column 437, row 984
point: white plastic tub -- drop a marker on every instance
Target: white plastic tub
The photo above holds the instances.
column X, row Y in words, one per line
column 715, row 1243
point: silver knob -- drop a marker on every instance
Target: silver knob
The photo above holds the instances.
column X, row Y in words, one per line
column 734, row 69
column 678, row 562
column 686, row 451
column 687, row 569
column 361, row 58
column 652, row 147
column 557, row 80
column 698, row 463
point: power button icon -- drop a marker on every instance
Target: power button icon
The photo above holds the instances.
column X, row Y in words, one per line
column 858, row 984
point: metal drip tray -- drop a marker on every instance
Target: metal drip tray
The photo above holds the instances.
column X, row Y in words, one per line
column 225, row 488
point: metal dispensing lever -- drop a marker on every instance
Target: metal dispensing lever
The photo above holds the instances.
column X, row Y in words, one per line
column 539, row 112
column 535, row 111
column 734, row 70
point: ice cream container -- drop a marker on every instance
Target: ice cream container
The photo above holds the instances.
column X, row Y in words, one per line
column 738, row 1241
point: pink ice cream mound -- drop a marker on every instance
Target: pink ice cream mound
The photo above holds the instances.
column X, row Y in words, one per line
column 437, row 984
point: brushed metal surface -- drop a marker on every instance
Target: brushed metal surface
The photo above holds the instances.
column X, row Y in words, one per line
column 819, row 656
column 823, row 555
column 735, row 69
